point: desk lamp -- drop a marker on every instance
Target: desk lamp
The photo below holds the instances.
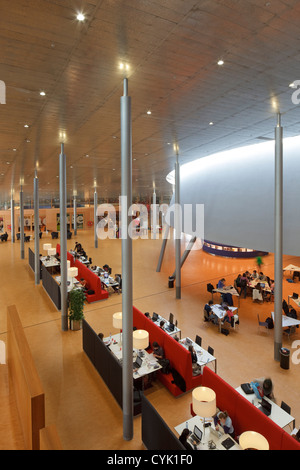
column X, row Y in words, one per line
column 117, row 323
column 253, row 440
column 140, row 339
column 204, row 403
column 72, row 272
column 51, row 252
column 47, row 246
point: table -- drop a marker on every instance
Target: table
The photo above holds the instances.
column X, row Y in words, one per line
column 278, row 415
column 296, row 301
column 291, row 268
column 287, row 321
column 108, row 282
column 208, row 435
column 220, row 312
column 72, row 284
column 171, row 333
column 254, row 282
column 149, row 364
column 227, row 290
column 203, row 356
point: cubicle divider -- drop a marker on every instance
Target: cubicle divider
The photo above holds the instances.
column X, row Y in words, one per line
column 28, row 390
column 156, row 434
column 108, row 367
column 31, row 258
column 51, row 287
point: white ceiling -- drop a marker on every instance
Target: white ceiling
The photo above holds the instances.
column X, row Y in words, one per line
column 173, row 47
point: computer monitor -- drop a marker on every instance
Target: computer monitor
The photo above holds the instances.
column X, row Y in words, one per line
column 171, row 318
column 198, row 433
column 155, row 316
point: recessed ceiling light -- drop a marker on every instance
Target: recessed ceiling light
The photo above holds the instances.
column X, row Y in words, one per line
column 220, row 62
column 42, row 93
column 14, row 150
column 211, row 123
column 148, row 112
column 292, row 85
column 7, row 163
column 26, row 125
column 80, row 17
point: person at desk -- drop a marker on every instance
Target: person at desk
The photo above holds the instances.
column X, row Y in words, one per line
column 196, row 368
column 228, row 316
column 83, row 283
column 161, row 324
column 158, row 351
column 78, row 247
column 266, row 385
column 223, row 419
column 262, row 277
column 209, row 315
column 221, row 284
column 183, row 439
column 254, row 275
column 257, row 294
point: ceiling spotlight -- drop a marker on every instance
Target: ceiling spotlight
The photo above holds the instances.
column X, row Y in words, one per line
column 124, row 66
column 80, row 17
column 42, row 93
column 26, row 125
column 211, row 123
column 148, row 112
column 221, row 62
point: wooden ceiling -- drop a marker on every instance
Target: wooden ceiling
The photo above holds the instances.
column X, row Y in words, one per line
column 172, row 48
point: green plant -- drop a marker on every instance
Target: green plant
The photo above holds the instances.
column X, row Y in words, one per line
column 76, row 303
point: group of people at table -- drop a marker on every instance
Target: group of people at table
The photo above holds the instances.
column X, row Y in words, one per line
column 262, row 286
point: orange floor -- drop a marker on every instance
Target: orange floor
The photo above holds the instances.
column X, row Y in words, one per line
column 77, row 401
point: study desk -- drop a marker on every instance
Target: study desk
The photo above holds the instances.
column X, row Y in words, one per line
column 227, row 290
column 176, row 330
column 70, row 284
column 296, row 301
column 108, row 282
column 287, row 321
column 208, row 436
column 218, row 310
column 203, row 356
column 278, row 415
column 254, row 282
column 291, row 268
column 149, row 364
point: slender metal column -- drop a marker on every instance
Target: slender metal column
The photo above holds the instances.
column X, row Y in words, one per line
column 278, row 239
column 177, row 225
column 12, row 217
column 127, row 306
column 186, row 253
column 154, row 216
column 95, row 218
column 36, row 229
column 163, row 247
column 22, row 223
column 75, row 214
column 63, row 239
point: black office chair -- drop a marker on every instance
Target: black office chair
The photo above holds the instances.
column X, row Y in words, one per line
column 285, row 407
column 198, row 340
column 210, row 350
column 210, row 288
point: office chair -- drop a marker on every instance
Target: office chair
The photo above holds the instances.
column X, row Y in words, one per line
column 263, row 324
column 290, row 331
column 198, row 340
column 288, row 410
column 210, row 350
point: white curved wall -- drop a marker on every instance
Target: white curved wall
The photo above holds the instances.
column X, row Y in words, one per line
column 237, row 190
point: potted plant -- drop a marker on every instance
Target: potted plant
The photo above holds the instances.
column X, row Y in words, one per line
column 76, row 303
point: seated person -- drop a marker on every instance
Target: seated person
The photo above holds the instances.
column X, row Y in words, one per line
column 223, row 419
column 161, row 324
column 195, row 366
column 254, row 275
column 147, row 314
column 266, row 385
column 208, row 314
column 228, row 316
column 101, row 336
column 262, row 277
column 158, row 351
column 183, row 439
column 78, row 247
column 83, row 283
column 221, row 284
column 257, row 293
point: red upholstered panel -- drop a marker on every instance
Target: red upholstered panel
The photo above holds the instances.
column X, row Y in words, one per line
column 250, row 418
column 70, row 258
column 226, row 395
column 58, row 248
column 139, row 319
column 289, row 443
column 179, row 357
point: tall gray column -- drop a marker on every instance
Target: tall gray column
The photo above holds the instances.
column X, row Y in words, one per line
column 154, row 216
column 278, row 225
column 177, row 225
column 165, row 236
column 95, row 218
column 36, row 229
column 22, row 223
column 75, row 214
column 12, row 219
column 127, row 306
column 63, row 239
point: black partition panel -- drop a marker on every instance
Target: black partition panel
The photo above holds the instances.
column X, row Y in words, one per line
column 51, row 287
column 102, row 360
column 31, row 259
column 156, row 434
column 88, row 341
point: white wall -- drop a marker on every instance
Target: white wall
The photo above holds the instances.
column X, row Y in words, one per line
column 237, row 190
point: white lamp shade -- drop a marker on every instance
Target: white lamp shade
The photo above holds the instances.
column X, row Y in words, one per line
column 204, row 402
column 117, row 320
column 253, row 440
column 68, row 264
column 47, row 246
column 52, row 252
column 72, row 272
column 140, row 339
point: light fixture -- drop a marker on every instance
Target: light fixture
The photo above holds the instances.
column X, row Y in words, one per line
column 26, row 125
column 47, row 246
column 220, row 62
column 211, row 123
column 149, row 112
column 117, row 323
column 42, row 93
column 253, row 440
column 51, row 251
column 204, row 403
column 72, row 272
column 140, row 339
column 80, row 17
